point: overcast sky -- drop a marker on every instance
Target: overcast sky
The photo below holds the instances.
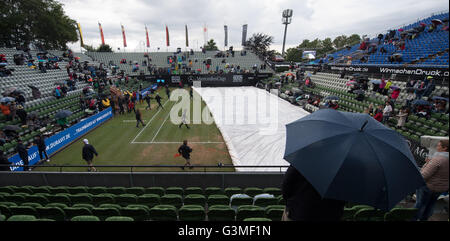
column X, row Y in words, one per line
column 311, row 19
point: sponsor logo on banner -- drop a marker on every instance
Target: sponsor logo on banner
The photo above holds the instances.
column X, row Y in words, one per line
column 176, row 79
column 239, row 78
column 63, row 138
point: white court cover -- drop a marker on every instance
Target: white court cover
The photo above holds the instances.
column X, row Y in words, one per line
column 252, row 122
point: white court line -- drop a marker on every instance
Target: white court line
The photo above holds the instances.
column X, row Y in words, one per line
column 163, row 142
column 161, row 127
column 131, row 120
column 140, row 132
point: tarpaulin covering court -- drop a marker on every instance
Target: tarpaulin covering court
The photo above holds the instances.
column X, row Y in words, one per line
column 252, row 122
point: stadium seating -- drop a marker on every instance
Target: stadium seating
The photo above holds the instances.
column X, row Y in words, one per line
column 169, row 207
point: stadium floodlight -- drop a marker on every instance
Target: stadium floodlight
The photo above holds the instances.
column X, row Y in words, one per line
column 287, row 19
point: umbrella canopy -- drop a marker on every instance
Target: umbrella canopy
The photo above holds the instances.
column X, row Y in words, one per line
column 278, row 83
column 351, row 82
column 7, row 99
column 394, row 87
column 436, row 21
column 33, row 115
column 375, row 81
column 359, row 92
column 352, row 157
column 420, row 102
column 32, row 87
column 423, row 24
column 11, row 128
column 331, row 97
column 63, row 114
column 9, row 91
column 439, row 98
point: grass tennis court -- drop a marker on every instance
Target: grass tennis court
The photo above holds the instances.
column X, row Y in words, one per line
column 119, row 142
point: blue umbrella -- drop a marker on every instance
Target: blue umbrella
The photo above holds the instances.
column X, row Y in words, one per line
column 421, row 102
column 331, row 97
column 439, row 98
column 7, row 99
column 352, row 157
column 63, row 114
column 375, row 81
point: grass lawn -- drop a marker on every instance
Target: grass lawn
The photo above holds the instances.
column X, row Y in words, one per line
column 119, row 142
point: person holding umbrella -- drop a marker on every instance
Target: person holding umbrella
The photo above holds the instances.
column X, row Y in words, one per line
column 346, row 157
column 88, row 154
column 435, row 174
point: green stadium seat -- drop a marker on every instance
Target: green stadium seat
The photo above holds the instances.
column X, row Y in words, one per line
column 38, row 199
column 137, row 213
column 21, row 218
column 77, row 190
column 272, row 190
column 192, row 213
column 136, row 190
column 172, row 199
column 56, row 205
column 117, row 190
column 15, row 198
column 265, row 201
column 155, row 190
column 253, row 191
column 84, row 205
column 102, row 198
column 150, row 200
column 76, row 211
column 126, row 199
column 274, row 212
column 41, row 189
column 349, row 213
column 60, row 198
column 24, row 210
column 44, row 220
column 195, row 199
column 2, row 218
column 85, row 218
column 119, row 218
column 366, row 214
column 81, row 198
column 218, row 200
column 401, row 214
column 239, row 201
column 175, row 190
column 257, row 220
column 104, row 213
column 32, row 204
column 59, row 189
column 281, row 200
column 249, row 211
column 111, row 205
column 7, row 189
column 213, row 191
column 230, row 191
column 23, row 189
column 193, row 190
column 97, row 190
column 163, row 213
column 221, row 213
column 51, row 213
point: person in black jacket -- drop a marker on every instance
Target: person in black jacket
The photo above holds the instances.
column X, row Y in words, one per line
column 4, row 161
column 40, row 143
column 88, row 154
column 158, row 99
column 185, row 152
column 139, row 118
column 22, row 150
column 304, row 203
column 147, row 99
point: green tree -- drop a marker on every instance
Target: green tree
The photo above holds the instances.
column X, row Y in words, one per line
column 293, row 54
column 260, row 43
column 211, row 45
column 104, row 48
column 42, row 22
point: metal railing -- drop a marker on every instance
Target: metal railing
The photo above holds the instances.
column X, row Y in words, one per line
column 132, row 168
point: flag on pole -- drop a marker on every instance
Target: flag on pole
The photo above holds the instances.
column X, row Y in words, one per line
column 187, row 38
column 146, row 35
column 167, row 37
column 226, row 35
column 81, row 34
column 101, row 33
column 244, row 34
column 124, row 38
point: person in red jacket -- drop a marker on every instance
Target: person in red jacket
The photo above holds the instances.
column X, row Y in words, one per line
column 131, row 106
column 379, row 113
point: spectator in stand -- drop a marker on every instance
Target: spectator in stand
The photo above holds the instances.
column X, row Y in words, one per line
column 387, row 87
column 395, row 94
column 435, row 173
column 5, row 110
column 419, row 88
column 387, row 112
column 22, row 114
column 58, row 92
column 430, row 87
column 381, row 86
column 379, row 113
column 402, row 116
